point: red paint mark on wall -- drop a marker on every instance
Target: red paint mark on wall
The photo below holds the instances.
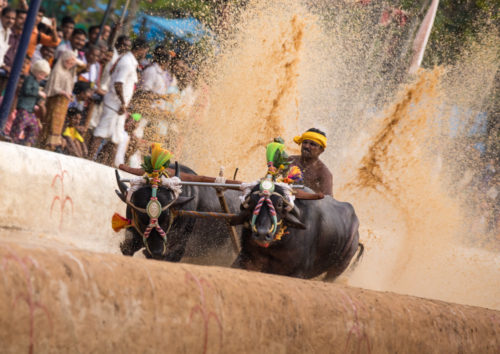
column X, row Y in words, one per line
column 61, row 197
column 357, row 330
column 28, row 296
column 202, row 310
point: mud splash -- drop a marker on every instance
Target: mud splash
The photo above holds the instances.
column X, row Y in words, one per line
column 252, row 87
column 292, row 67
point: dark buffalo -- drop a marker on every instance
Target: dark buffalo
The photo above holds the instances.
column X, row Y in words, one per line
column 314, row 237
column 170, row 245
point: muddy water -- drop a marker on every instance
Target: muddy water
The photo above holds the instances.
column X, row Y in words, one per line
column 289, row 68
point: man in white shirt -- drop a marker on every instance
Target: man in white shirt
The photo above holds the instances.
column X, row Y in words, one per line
column 6, row 22
column 156, row 78
column 92, row 56
column 122, row 85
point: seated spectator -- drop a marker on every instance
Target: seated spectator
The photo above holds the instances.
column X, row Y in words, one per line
column 26, row 124
column 74, row 142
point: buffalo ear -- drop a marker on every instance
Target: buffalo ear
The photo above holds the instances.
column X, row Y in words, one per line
column 292, row 221
column 182, row 200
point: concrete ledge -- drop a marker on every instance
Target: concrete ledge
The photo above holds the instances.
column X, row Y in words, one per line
column 54, row 197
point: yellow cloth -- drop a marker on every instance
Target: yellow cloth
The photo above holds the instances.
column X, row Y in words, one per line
column 316, row 137
column 73, row 134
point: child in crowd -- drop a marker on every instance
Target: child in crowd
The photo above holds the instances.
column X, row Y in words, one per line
column 74, row 142
column 82, row 93
column 26, row 123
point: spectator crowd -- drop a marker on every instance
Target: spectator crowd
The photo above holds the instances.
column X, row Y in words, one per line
column 89, row 93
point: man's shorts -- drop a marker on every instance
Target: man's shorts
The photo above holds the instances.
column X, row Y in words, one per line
column 111, row 125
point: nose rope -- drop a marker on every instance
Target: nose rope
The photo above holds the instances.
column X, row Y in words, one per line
column 153, row 221
column 272, row 211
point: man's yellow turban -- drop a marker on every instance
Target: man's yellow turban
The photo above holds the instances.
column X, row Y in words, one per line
column 316, row 137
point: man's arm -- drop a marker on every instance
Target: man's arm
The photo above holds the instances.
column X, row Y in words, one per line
column 119, row 93
column 23, row 4
column 50, row 41
column 326, row 182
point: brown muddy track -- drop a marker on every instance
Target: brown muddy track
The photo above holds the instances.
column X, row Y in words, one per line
column 74, row 301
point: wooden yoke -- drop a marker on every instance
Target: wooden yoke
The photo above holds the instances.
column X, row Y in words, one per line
column 171, row 172
column 299, row 194
column 225, row 209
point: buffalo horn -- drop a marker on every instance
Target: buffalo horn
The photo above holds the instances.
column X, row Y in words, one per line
column 292, row 221
column 182, row 200
column 295, row 211
column 177, row 170
column 121, row 185
column 240, row 218
column 121, row 196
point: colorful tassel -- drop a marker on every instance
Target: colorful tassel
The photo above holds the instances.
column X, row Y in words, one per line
column 295, row 174
column 159, row 156
column 118, row 222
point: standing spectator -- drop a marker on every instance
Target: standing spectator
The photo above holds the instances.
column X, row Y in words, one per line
column 75, row 44
column 93, row 67
column 15, row 37
column 156, row 78
column 67, row 27
column 106, row 31
column 123, row 45
column 6, row 22
column 101, row 89
column 93, row 34
column 46, row 53
column 123, row 80
column 59, row 90
column 37, row 37
column 26, row 121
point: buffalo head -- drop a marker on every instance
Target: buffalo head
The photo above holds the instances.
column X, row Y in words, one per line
column 267, row 211
column 149, row 205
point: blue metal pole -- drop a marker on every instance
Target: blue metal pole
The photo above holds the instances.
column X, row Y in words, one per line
column 15, row 72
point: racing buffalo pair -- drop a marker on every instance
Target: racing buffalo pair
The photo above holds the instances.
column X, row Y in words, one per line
column 283, row 232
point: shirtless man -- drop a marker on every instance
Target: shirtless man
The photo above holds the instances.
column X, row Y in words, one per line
column 314, row 172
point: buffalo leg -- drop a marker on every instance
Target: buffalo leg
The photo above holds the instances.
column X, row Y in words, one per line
column 131, row 244
column 244, row 262
column 238, row 263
